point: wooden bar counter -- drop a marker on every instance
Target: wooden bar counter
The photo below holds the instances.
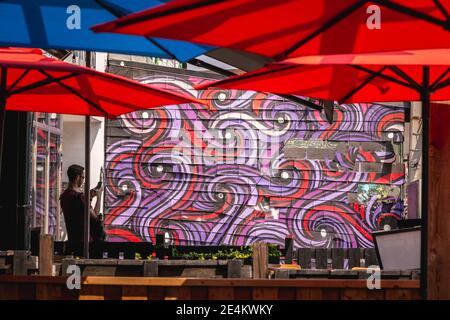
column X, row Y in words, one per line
column 143, row 288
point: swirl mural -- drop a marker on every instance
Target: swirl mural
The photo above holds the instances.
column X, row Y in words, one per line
column 250, row 167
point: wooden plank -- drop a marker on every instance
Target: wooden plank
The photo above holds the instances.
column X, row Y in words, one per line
column 67, row 294
column 321, row 258
column 302, row 294
column 332, row 283
column 46, row 255
column 286, row 293
column 265, row 294
column 112, row 292
column 337, row 254
column 401, row 294
column 20, row 262
column 199, row 293
column 156, row 293
column 178, row 293
column 316, row 293
column 439, row 204
column 134, row 293
column 234, row 268
column 331, row 294
column 354, row 294
column 243, row 293
column 260, row 260
column 27, row 291
column 376, row 294
column 92, row 292
column 371, row 257
column 48, row 292
column 220, row 293
column 304, row 257
column 289, row 249
column 9, row 291
column 151, row 268
column 212, row 289
column 353, row 257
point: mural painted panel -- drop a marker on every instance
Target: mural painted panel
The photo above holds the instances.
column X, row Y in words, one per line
column 250, row 167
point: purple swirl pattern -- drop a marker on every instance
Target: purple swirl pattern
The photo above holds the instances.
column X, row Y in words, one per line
column 220, row 175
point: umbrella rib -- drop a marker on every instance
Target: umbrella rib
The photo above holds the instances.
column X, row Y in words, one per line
column 119, row 14
column 330, row 23
column 19, row 79
column 411, row 12
column 439, row 79
column 142, row 18
column 441, row 85
column 301, row 101
column 362, row 85
column 247, row 76
column 110, row 9
column 402, row 74
column 442, row 9
column 41, row 83
column 76, row 93
column 162, row 48
column 405, row 84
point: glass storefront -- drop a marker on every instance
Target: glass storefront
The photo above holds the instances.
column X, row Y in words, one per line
column 46, row 174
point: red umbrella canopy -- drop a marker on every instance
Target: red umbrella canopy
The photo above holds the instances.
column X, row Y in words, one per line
column 291, row 28
column 33, row 82
column 395, row 76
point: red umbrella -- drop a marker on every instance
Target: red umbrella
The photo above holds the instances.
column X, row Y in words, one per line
column 33, row 82
column 30, row 81
column 397, row 76
column 291, row 28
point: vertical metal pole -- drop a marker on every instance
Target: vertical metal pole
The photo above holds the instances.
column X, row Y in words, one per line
column 3, row 76
column 58, row 186
column 425, row 97
column 87, row 174
column 34, row 175
column 46, row 183
column 87, row 183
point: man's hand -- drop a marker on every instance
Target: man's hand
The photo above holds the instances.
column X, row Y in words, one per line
column 93, row 193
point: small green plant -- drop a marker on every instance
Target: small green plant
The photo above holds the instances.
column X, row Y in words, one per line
column 137, row 256
column 274, row 251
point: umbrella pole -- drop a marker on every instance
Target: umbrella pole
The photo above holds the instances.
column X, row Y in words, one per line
column 3, row 75
column 87, row 183
column 425, row 97
column 87, row 170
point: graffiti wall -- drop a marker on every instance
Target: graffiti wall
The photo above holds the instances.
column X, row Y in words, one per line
column 251, row 166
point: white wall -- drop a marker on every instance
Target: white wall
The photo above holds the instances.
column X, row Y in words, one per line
column 73, row 145
column 73, row 136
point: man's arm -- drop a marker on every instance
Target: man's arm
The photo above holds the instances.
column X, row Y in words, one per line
column 95, row 211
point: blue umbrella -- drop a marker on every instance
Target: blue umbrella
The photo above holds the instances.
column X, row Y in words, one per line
column 65, row 24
